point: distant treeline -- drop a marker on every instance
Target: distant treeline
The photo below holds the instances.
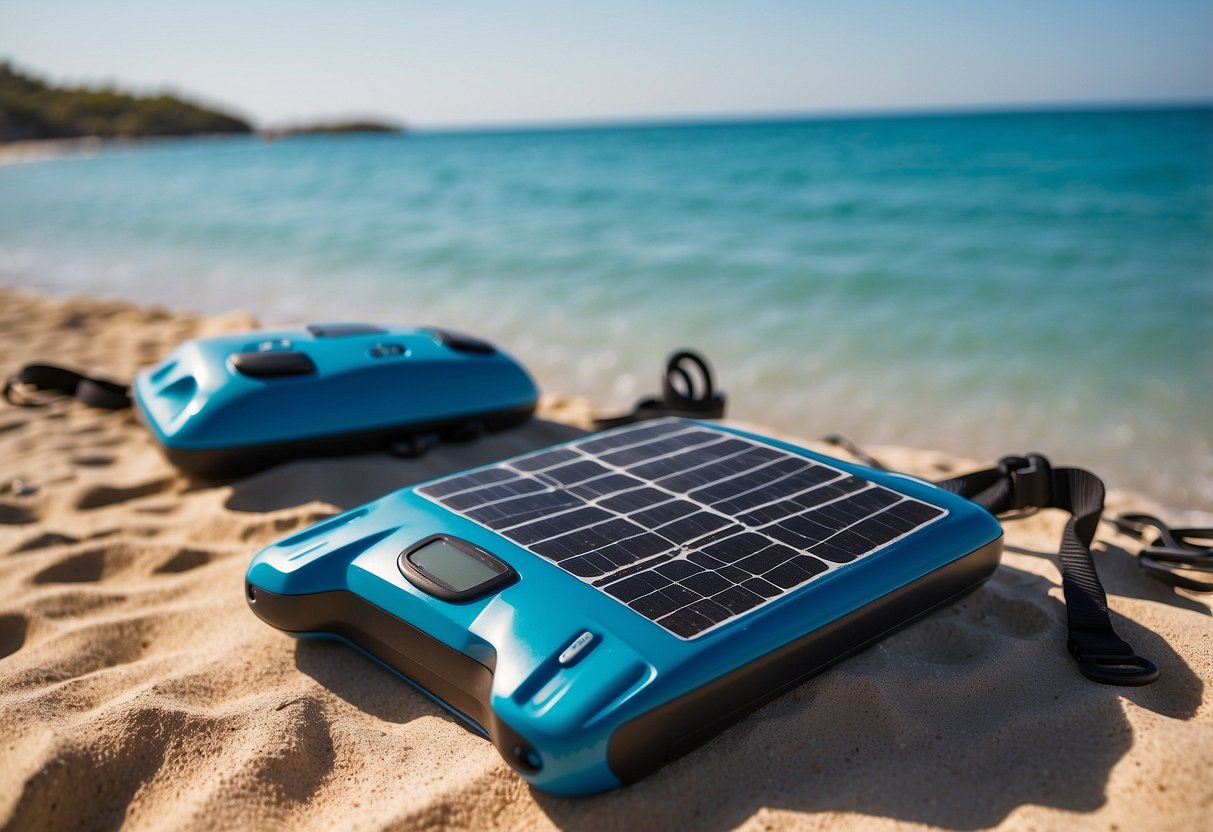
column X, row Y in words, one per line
column 32, row 109
column 330, row 128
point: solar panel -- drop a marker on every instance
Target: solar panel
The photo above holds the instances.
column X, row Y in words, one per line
column 688, row 525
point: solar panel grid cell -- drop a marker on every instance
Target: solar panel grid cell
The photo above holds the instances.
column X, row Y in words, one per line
column 687, row 525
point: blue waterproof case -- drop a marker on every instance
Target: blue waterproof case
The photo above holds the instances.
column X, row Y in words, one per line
column 602, row 607
column 237, row 403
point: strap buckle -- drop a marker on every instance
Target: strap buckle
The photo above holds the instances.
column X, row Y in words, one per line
column 1113, row 663
column 21, row 393
column 1126, row 671
column 1180, row 557
column 1031, row 479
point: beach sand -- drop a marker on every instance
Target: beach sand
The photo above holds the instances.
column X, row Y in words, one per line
column 41, row 150
column 136, row 688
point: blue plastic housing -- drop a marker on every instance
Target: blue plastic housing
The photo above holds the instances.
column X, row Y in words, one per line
column 575, row 728
column 235, row 403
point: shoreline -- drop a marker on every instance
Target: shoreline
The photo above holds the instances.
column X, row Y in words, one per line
column 41, row 150
column 85, row 147
column 131, row 671
column 1190, row 512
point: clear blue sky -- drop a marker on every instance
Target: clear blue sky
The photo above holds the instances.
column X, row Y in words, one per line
column 468, row 62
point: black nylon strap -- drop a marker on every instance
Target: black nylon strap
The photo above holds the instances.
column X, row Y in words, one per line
column 95, row 392
column 1031, row 482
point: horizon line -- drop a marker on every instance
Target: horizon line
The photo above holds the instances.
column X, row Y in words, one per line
column 792, row 116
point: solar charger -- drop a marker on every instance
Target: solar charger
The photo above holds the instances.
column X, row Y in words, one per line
column 601, row 607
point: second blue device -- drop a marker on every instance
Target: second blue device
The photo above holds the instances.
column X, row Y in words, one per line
column 237, row 403
column 602, row 607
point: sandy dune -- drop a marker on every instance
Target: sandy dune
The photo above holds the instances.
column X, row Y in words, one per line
column 137, row 689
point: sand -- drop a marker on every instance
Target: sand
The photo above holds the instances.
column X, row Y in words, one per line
column 137, row 689
column 41, row 150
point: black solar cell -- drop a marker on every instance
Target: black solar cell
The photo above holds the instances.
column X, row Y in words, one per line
column 547, row 459
column 474, row 479
column 687, row 525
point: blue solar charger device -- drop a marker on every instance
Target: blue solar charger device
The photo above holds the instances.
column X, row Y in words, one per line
column 237, row 403
column 601, row 607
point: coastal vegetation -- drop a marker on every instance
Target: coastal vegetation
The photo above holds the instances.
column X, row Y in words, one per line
column 333, row 128
column 30, row 108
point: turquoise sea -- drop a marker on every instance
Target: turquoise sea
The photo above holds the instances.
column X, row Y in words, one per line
column 975, row 283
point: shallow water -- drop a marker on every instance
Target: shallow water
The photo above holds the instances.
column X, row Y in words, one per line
column 980, row 284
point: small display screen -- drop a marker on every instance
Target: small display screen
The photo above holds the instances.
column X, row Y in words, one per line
column 450, row 565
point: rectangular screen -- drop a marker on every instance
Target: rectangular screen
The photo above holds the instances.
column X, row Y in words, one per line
column 450, row 565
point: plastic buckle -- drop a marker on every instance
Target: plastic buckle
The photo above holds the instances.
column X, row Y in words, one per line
column 1125, row 669
column 20, row 393
column 1031, row 480
column 1180, row 557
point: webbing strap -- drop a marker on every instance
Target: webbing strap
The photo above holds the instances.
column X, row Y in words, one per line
column 1031, row 482
column 95, row 392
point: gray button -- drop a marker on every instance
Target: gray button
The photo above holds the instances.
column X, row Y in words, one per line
column 344, row 330
column 273, row 363
column 580, row 646
column 382, row 350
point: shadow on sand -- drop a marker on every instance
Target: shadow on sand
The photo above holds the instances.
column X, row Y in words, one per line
column 346, row 482
column 1122, row 575
column 954, row 722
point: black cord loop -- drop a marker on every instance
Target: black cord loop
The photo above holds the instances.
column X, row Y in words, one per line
column 687, row 390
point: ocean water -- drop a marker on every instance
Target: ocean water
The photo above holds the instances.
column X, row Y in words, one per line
column 979, row 284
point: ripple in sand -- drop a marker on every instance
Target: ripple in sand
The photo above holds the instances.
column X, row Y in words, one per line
column 13, row 628
column 184, row 561
column 85, row 567
column 103, row 495
column 12, row 514
column 45, row 541
column 96, row 461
